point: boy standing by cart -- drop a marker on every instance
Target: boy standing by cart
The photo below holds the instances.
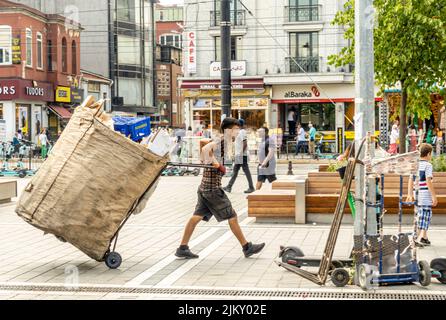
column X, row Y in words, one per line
column 212, row 200
column 427, row 197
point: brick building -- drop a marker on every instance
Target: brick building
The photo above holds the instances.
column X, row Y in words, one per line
column 39, row 68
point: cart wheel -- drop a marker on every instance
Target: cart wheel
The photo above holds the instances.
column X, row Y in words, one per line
column 340, row 277
column 425, row 273
column 22, row 174
column 113, row 260
column 364, row 276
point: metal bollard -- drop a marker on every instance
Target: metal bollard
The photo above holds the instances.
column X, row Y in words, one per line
column 290, row 168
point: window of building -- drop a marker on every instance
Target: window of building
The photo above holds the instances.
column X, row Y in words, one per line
column 49, row 50
column 129, row 50
column 161, row 15
column 304, row 51
column 29, row 48
column 1, row 111
column 236, row 48
column 64, row 55
column 39, row 51
column 94, row 86
column 73, row 57
column 173, row 40
column 5, row 45
column 126, row 10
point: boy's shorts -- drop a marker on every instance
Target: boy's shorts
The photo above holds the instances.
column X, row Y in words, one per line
column 262, row 178
column 214, row 203
column 424, row 217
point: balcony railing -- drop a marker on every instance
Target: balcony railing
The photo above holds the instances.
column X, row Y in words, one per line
column 302, row 13
column 308, row 64
column 237, row 18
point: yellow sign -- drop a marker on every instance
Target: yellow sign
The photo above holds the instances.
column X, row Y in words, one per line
column 63, row 94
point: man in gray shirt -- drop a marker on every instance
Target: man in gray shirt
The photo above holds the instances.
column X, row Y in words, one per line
column 267, row 158
column 241, row 159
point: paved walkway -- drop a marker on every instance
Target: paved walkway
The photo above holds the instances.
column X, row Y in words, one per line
column 148, row 241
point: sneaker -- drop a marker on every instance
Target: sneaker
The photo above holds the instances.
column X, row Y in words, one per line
column 250, row 190
column 185, row 254
column 227, row 189
column 253, row 249
column 425, row 242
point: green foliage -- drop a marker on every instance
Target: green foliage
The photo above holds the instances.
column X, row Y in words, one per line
column 410, row 47
column 334, row 166
column 439, row 163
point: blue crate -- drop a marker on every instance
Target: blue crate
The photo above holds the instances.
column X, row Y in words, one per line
column 137, row 128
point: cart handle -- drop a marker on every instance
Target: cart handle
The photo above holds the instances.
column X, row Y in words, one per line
column 191, row 165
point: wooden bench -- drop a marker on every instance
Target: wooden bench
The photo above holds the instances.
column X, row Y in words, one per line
column 323, row 191
column 8, row 190
column 285, row 201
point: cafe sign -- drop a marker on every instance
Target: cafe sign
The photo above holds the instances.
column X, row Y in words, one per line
column 238, row 69
column 26, row 90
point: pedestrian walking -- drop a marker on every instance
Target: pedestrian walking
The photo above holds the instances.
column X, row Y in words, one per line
column 43, row 139
column 212, row 200
column 427, row 197
column 312, row 142
column 412, row 138
column 241, row 159
column 394, row 138
column 292, row 121
column 267, row 158
column 301, row 139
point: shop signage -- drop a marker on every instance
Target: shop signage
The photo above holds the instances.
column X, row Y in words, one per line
column 63, row 94
column 35, row 91
column 77, row 95
column 191, row 52
column 26, row 90
column 313, row 92
column 238, row 69
column 16, row 50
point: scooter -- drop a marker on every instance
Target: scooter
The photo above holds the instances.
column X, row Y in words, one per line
column 338, row 271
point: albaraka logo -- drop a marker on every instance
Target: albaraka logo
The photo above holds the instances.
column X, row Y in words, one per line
column 303, row 94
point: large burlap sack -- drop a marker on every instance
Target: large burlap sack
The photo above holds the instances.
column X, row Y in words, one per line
column 88, row 186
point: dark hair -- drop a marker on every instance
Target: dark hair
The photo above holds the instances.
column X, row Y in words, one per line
column 190, row 128
column 241, row 122
column 229, row 123
column 425, row 149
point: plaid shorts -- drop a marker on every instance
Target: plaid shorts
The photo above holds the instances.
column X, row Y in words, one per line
column 424, row 217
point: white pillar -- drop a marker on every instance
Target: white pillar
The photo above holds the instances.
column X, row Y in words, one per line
column 9, row 116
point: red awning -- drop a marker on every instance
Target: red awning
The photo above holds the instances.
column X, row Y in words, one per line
column 215, row 84
column 283, row 101
column 61, row 112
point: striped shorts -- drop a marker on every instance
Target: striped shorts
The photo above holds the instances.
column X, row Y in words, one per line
column 424, row 217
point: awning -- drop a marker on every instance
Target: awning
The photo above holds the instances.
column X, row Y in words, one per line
column 61, row 112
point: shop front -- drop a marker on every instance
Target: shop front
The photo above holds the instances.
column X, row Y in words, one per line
column 23, row 106
column 250, row 101
column 330, row 108
column 66, row 99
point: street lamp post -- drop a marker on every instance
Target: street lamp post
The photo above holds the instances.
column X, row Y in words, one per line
column 225, row 38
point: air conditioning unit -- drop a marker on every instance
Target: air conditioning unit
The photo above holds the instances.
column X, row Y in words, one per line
column 118, row 101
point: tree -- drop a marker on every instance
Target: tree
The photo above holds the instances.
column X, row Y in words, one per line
column 410, row 50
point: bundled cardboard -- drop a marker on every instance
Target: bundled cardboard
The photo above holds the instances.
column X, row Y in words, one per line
column 92, row 181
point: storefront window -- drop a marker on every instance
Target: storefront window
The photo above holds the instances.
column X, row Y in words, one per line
column 22, row 118
column 322, row 116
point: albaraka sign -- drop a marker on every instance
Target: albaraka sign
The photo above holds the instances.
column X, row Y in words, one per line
column 26, row 90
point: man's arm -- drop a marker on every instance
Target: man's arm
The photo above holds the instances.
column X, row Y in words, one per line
column 430, row 186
